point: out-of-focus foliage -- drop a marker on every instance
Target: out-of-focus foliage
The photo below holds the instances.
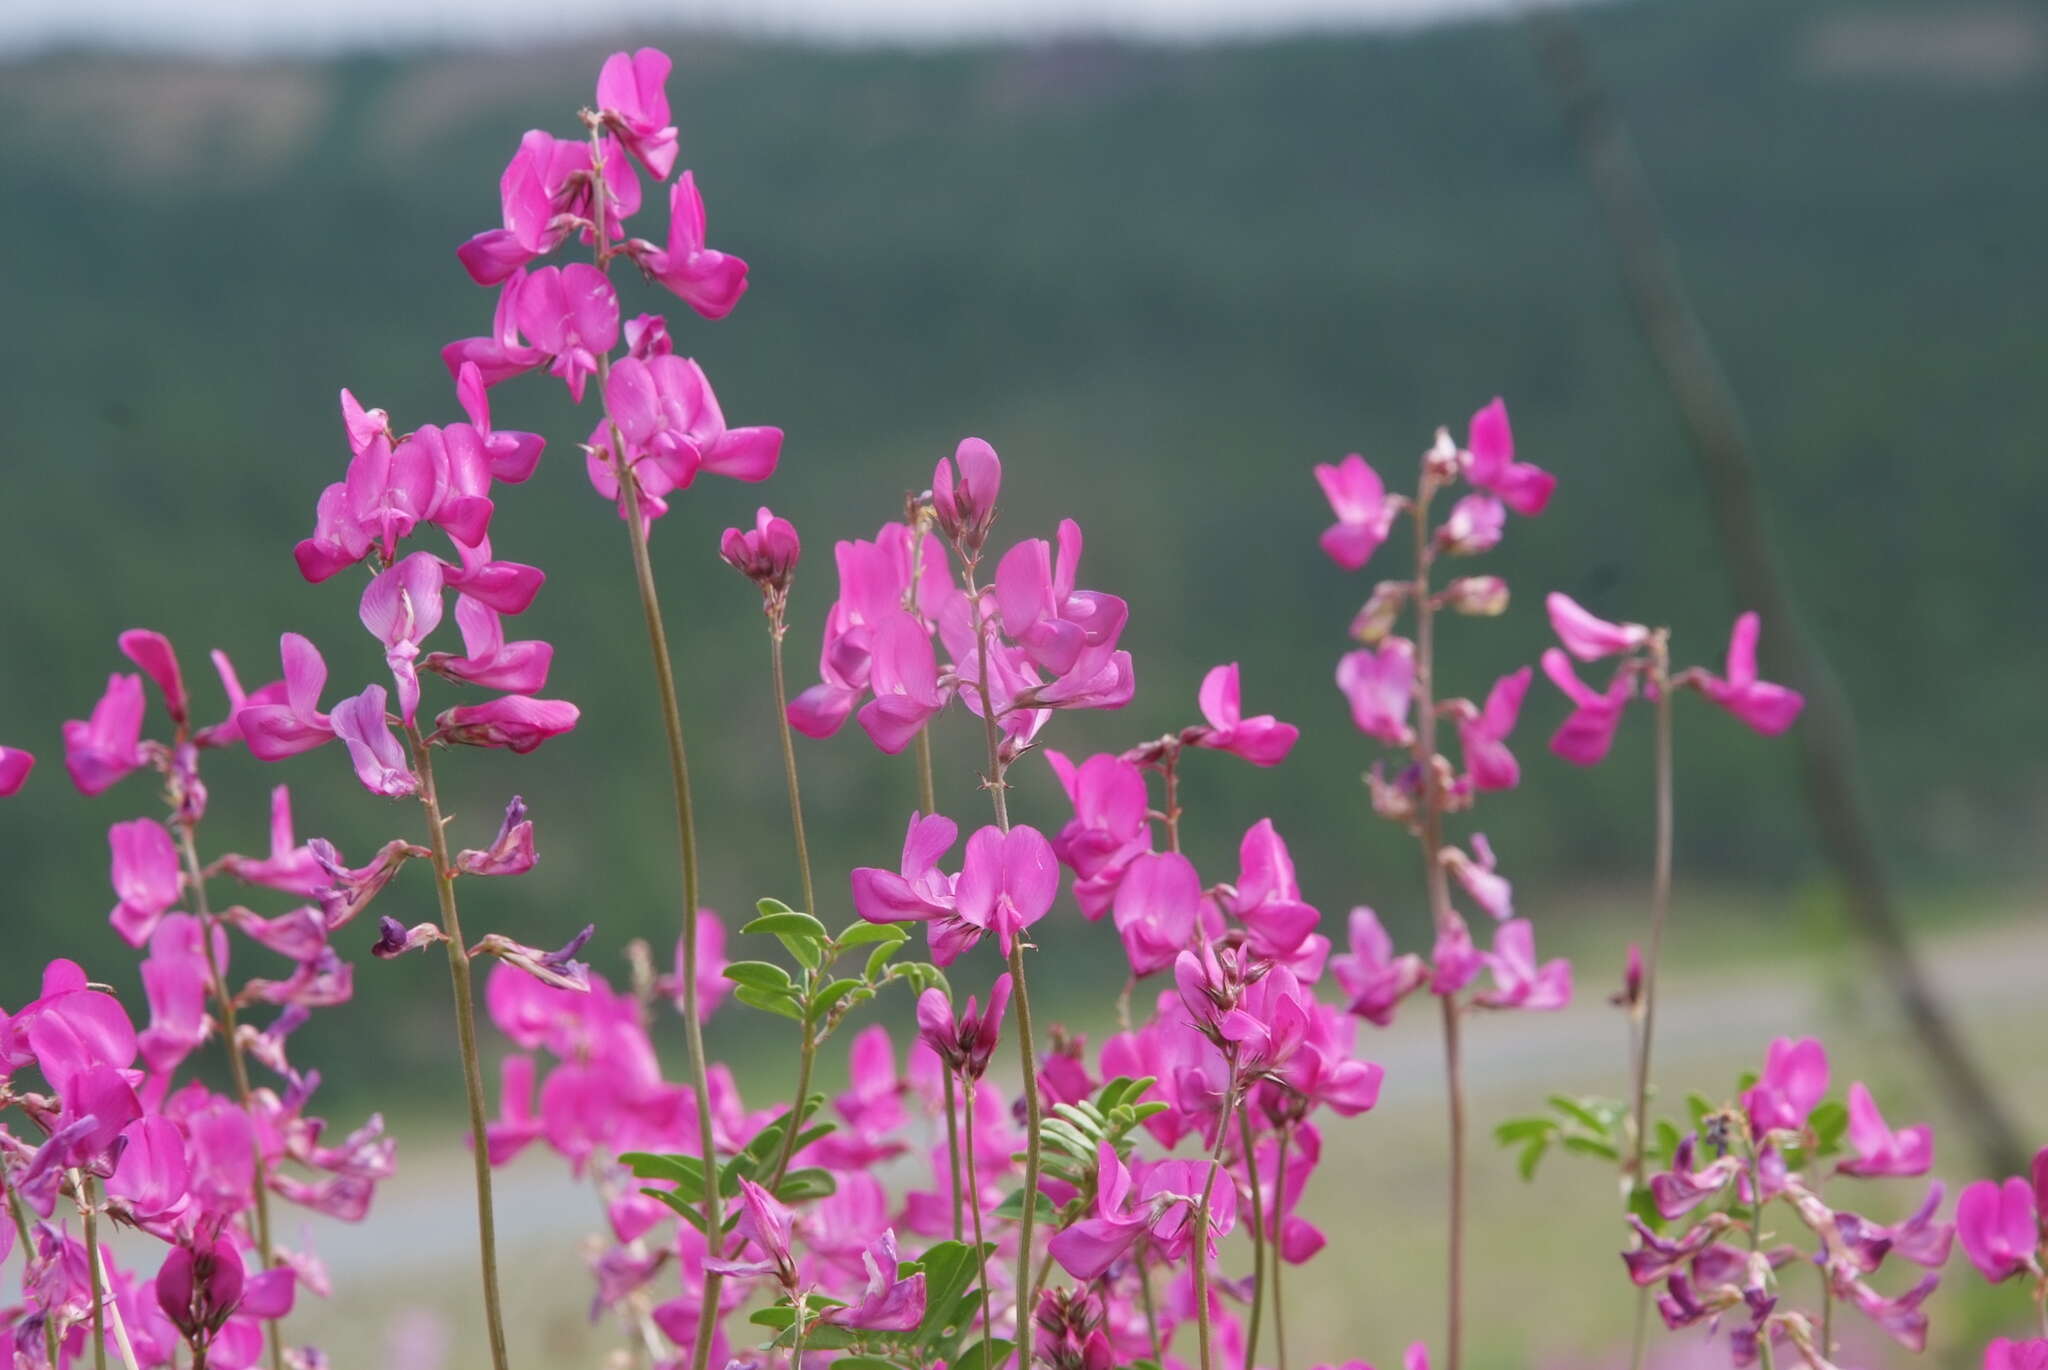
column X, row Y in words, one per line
column 1163, row 282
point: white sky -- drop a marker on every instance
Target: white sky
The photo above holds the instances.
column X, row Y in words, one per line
column 242, row 27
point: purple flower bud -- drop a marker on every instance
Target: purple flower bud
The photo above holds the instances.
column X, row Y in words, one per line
column 966, row 502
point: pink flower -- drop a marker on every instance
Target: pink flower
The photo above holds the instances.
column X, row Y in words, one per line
column 1109, row 829
column 919, row 891
column 1588, row 637
column 508, row 456
column 487, row 658
column 1324, row 1073
column 145, row 875
column 572, row 315
column 904, row 674
column 511, row 851
column 1157, row 904
column 1586, row 735
column 1007, row 882
column 1042, row 611
column 1999, row 1227
column 514, row 722
column 1794, row 1080
column 632, row 94
column 2002, row 1354
column 767, row 554
column 874, row 580
column 1089, row 1247
column 1379, row 685
column 1767, row 708
column 1263, row 741
column 15, row 764
column 709, row 281
column 1453, row 959
column 401, row 607
column 503, row 354
column 1364, row 513
column 1375, row 980
column 1481, row 878
column 1879, row 1150
column 1475, row 525
column 966, row 505
column 766, row 1225
column 1484, row 735
column 886, row 1303
column 378, row 756
column 673, row 427
column 152, row 652
column 290, row 866
column 275, row 731
column 176, row 979
column 1517, row 980
column 1267, row 897
column 1490, row 463
column 101, row 750
column 964, row 1044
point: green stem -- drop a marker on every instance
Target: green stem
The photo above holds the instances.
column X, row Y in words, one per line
column 27, row 1251
column 465, row 1036
column 953, row 1152
column 83, row 1189
column 1660, row 907
column 803, row 862
column 238, row 1066
column 1151, row 1308
column 988, row 1311
column 679, row 776
column 1203, row 1335
column 1251, row 1166
column 1279, row 1262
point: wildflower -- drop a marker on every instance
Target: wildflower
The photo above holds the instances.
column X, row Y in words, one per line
column 1007, row 882
column 1364, row 512
column 102, row 749
column 1587, row 636
column 1263, row 741
column 1879, row 1150
column 1999, row 1227
column 1767, row 708
column 1490, row 463
column 1156, row 908
column 15, row 764
column 515, row 722
column 1795, row 1078
column 964, row 491
column 1483, row 734
column 145, row 875
column 1372, row 976
column 1518, row 981
column 1585, row 737
column 966, row 1043
column 766, row 555
column 1379, row 685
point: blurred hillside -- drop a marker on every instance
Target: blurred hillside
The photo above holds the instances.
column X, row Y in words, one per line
column 1163, row 281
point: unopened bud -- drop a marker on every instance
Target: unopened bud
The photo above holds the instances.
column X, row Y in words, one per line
column 767, row 554
column 1479, row 596
column 1441, row 464
column 1381, row 611
column 965, row 487
column 1475, row 526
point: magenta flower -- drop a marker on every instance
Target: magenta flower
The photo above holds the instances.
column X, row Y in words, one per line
column 766, row 1225
column 1374, row 979
column 152, row 652
column 673, row 427
column 965, row 503
column 2004, row 1354
column 1518, row 982
column 964, row 1044
column 1042, row 611
column 1767, row 708
column 487, row 658
column 1267, row 897
column 1157, row 905
column 100, row 750
column 1490, row 463
column 1795, row 1078
column 1879, row 1150
column 176, row 979
column 145, row 875
column 1325, row 1073
column 1484, row 734
column 767, row 554
column 151, row 1179
column 291, row 866
column 378, row 756
column 1481, row 878
column 514, row 722
column 1364, row 512
column 504, row 354
column 572, row 314
column 874, row 580
column 1007, row 882
column 1475, row 525
column 632, row 95
column 1263, row 741
column 2000, row 1228
column 904, row 674
column 511, row 851
column 1453, row 959
column 709, row 281
column 1587, row 636
column 1109, row 829
column 508, row 456
column 15, row 764
column 1087, row 1249
column 1379, row 685
column 278, row 730
column 1586, row 735
column 886, row 1303
column 918, row 891
column 401, row 607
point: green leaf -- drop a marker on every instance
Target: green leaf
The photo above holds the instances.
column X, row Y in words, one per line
column 948, row 1269
column 1667, row 1138
column 1699, row 1106
column 1591, row 1146
column 879, row 958
column 1085, row 1117
column 783, row 921
column 1532, row 1153
column 784, row 1004
column 860, row 934
column 1579, row 1112
column 807, row 1183
column 779, row 1316
column 686, row 1210
column 865, row 1363
column 1148, row 1109
column 1829, row 1122
column 764, row 975
column 1516, row 1130
column 824, row 999
column 647, row 1165
column 1069, row 1138
column 1012, row 1208
column 971, row 1358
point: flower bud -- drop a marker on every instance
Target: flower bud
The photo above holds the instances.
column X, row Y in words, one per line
column 1382, row 609
column 1474, row 526
column 766, row 555
column 1479, row 596
column 1442, row 464
column 198, row 1287
column 964, row 491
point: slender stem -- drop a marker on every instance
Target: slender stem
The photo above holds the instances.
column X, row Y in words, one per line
column 27, row 1253
column 679, row 775
column 980, row 1246
column 238, row 1065
column 803, row 861
column 82, row 1189
column 1251, row 1166
column 953, row 1152
column 1756, row 1239
column 465, row 1036
column 119, row 1324
column 1279, row 1262
column 1441, row 912
column 1151, row 1308
column 686, row 836
column 795, row 1116
column 1204, row 1337
column 997, row 785
column 1171, row 765
column 1660, row 908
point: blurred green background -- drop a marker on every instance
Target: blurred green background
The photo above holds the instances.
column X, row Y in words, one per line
column 1163, row 281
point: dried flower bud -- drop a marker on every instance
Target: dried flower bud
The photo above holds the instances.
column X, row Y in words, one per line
column 1479, row 596
column 1381, row 611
